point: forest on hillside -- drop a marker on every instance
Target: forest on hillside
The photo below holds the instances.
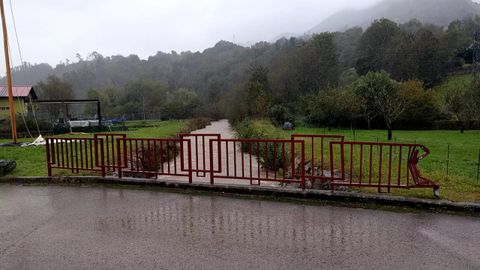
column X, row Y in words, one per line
column 379, row 77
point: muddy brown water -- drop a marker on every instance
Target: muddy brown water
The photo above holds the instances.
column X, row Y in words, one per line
column 103, row 228
column 201, row 160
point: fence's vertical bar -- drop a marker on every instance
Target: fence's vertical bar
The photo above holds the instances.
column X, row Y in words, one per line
column 361, row 164
column 155, row 159
column 226, row 157
column 390, row 167
column 400, row 165
column 380, row 169
column 102, row 158
column 190, row 170
column 47, row 146
column 332, row 167
column 250, row 163
column 302, row 143
column 71, row 155
column 96, row 151
column 76, row 155
column 234, row 158
column 351, row 162
column 119, row 157
column 204, row 150
column 211, row 162
column 81, row 154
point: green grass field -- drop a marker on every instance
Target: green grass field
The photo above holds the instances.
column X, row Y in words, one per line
column 460, row 184
column 31, row 160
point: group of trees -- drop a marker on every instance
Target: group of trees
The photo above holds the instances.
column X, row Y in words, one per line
column 138, row 97
column 326, row 79
column 383, row 77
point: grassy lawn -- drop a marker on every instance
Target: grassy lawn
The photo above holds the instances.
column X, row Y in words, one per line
column 460, row 184
column 31, row 160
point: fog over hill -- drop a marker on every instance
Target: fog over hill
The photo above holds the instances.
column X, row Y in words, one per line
column 437, row 12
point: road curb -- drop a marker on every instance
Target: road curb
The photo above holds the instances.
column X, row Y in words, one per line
column 277, row 192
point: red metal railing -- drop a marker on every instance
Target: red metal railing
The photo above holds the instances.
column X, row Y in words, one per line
column 110, row 148
column 379, row 165
column 329, row 159
column 75, row 154
column 154, row 157
column 259, row 160
column 319, row 156
column 201, row 153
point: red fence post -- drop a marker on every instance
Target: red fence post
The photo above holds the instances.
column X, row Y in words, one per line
column 211, row 162
column 189, row 155
column 303, row 165
column 332, row 167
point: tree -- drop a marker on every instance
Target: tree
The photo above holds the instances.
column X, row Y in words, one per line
column 182, row 104
column 318, row 67
column 429, row 62
column 464, row 104
column 422, row 107
column 55, row 88
column 142, row 96
column 374, row 45
column 258, row 91
column 382, row 96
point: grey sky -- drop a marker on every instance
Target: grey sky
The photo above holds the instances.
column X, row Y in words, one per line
column 52, row 30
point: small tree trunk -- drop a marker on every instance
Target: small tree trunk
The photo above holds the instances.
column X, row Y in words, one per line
column 390, row 135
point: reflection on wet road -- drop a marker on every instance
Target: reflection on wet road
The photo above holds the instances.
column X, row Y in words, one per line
column 100, row 228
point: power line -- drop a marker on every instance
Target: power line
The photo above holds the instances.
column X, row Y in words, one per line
column 23, row 71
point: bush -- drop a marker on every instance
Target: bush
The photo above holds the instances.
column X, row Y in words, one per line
column 274, row 156
column 195, row 124
column 280, row 114
column 30, row 123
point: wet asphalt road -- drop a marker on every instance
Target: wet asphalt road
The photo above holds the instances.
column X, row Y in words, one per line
column 101, row 228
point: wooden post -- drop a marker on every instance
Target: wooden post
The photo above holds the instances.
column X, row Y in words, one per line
column 13, row 123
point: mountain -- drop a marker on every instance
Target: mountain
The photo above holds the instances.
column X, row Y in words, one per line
column 437, row 12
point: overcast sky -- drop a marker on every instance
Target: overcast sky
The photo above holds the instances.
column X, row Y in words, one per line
column 53, row 30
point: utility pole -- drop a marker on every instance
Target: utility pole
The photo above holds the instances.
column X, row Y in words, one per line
column 9, row 75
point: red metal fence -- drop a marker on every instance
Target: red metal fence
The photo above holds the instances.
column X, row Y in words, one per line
column 378, row 165
column 318, row 158
column 154, row 157
column 75, row 154
column 259, row 160
column 325, row 158
column 201, row 153
column 110, row 148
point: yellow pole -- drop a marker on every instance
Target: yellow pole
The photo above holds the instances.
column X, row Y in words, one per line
column 9, row 75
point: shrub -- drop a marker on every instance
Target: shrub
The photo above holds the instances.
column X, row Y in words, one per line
column 279, row 114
